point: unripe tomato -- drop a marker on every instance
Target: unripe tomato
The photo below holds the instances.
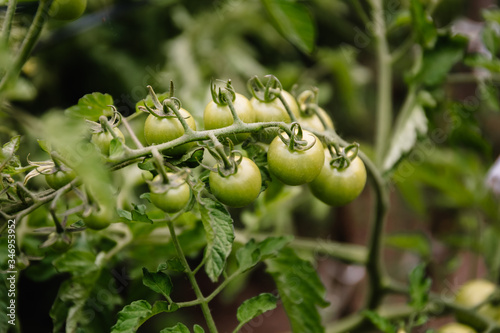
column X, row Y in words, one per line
column 455, row 328
column 475, row 292
column 274, row 111
column 295, row 167
column 100, row 219
column 160, row 130
column 339, row 187
column 67, row 9
column 59, row 178
column 313, row 121
column 239, row 189
column 219, row 116
column 62, row 242
column 173, row 200
column 102, row 140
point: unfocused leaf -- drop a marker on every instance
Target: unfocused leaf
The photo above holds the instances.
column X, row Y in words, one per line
column 437, row 62
column 218, row 226
column 138, row 214
column 419, row 287
column 491, row 38
column 423, row 25
column 489, row 93
column 406, row 136
column 92, row 106
column 300, row 290
column 380, row 322
column 416, row 243
column 159, row 282
column 256, row 306
column 76, row 262
column 8, row 158
column 481, row 60
column 294, row 21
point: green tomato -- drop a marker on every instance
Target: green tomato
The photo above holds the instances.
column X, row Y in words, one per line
column 173, row 200
column 67, row 9
column 239, row 189
column 160, row 130
column 274, row 111
column 313, row 121
column 102, row 140
column 100, row 219
column 337, row 188
column 295, row 167
column 59, row 178
column 475, row 292
column 217, row 116
column 62, row 242
column 455, row 328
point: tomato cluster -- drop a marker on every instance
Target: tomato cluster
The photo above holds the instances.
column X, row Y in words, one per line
column 271, row 122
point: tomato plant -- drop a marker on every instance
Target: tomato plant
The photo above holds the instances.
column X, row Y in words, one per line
column 59, row 178
column 103, row 139
column 240, row 188
column 292, row 164
column 338, row 187
column 170, row 200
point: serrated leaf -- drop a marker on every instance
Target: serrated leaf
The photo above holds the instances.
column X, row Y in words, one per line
column 300, row 290
column 92, row 106
column 414, row 242
column 406, row 136
column 294, row 21
column 438, row 61
column 179, row 328
column 256, row 306
column 380, row 322
column 77, row 262
column 419, row 287
column 423, row 25
column 218, row 226
column 138, row 214
column 159, row 282
column 132, row 316
column 252, row 253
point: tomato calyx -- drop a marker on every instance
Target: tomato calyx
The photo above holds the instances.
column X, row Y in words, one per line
column 308, row 102
column 343, row 156
column 265, row 93
column 227, row 164
column 295, row 141
column 161, row 185
column 104, row 125
column 222, row 96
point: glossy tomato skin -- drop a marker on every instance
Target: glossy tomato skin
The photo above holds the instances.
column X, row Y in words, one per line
column 474, row 292
column 59, row 179
column 173, row 200
column 313, row 121
column 102, row 140
column 337, row 188
column 294, row 167
column 160, row 130
column 217, row 116
column 455, row 328
column 274, row 111
column 67, row 9
column 100, row 219
column 239, row 189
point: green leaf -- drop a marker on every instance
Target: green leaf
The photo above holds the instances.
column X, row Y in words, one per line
column 159, row 282
column 256, row 306
column 218, row 226
column 481, row 60
column 116, row 148
column 414, row 242
column 8, row 159
column 437, row 62
column 490, row 38
column 77, row 262
column 4, row 303
column 490, row 248
column 138, row 214
column 300, row 290
column 294, row 21
column 406, row 135
column 92, row 106
column 179, row 328
column 489, row 93
column 492, row 15
column 419, row 287
column 132, row 316
column 423, row 26
column 270, row 246
column 198, row 329
column 380, row 322
column 252, row 253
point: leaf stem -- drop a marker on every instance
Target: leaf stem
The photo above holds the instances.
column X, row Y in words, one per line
column 7, row 23
column 192, row 279
column 384, row 83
